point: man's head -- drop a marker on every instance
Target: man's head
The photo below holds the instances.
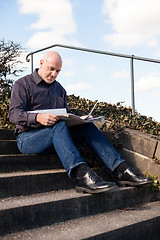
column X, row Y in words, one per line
column 50, row 66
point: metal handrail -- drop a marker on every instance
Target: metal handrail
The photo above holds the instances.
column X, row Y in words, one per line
column 131, row 57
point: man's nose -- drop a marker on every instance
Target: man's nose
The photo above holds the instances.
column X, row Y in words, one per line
column 54, row 73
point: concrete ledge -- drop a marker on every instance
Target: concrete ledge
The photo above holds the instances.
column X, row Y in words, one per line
column 139, row 142
column 135, row 141
column 140, row 162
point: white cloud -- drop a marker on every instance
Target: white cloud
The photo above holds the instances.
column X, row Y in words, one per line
column 120, row 74
column 69, row 62
column 91, row 68
column 78, row 86
column 152, row 43
column 148, row 83
column 55, row 23
column 68, row 73
column 134, row 22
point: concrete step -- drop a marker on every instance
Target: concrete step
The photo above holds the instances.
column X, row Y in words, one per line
column 30, row 182
column 7, row 134
column 140, row 222
column 28, row 212
column 23, row 162
column 24, row 183
column 8, row 147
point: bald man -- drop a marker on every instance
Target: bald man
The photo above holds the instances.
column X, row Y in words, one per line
column 42, row 132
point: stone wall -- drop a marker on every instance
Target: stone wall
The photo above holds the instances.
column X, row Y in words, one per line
column 142, row 151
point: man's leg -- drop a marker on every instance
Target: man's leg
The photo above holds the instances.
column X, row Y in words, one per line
column 39, row 140
column 122, row 173
column 42, row 139
column 99, row 144
column 86, row 179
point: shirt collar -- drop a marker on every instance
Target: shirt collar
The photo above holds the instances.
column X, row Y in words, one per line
column 37, row 78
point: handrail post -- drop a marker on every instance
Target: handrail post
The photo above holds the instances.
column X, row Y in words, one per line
column 32, row 62
column 132, row 85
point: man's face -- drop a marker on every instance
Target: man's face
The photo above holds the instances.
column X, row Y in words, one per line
column 49, row 69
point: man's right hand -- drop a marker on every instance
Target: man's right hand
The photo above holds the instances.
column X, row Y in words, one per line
column 47, row 119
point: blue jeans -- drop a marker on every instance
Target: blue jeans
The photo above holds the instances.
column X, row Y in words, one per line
column 64, row 141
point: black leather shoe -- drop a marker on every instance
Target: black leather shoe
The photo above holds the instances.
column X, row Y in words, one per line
column 129, row 177
column 91, row 183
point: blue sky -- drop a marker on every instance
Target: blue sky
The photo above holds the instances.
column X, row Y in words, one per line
column 121, row 26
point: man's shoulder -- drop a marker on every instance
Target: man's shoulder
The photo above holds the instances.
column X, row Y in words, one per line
column 24, row 80
column 59, row 85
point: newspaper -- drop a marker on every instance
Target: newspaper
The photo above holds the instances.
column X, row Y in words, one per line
column 70, row 118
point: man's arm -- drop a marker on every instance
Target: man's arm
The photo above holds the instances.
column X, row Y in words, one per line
column 18, row 113
column 18, row 107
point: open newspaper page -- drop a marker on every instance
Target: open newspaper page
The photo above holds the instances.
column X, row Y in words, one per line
column 71, row 119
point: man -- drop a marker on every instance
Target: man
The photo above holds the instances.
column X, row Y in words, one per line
column 39, row 91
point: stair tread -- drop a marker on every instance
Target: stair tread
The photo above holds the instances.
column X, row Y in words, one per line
column 31, row 173
column 8, row 140
column 39, row 198
column 95, row 225
column 16, row 155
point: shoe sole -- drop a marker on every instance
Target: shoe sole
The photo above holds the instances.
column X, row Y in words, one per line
column 85, row 190
column 125, row 183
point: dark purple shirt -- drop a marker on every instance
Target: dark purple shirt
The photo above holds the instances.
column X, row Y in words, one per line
column 33, row 93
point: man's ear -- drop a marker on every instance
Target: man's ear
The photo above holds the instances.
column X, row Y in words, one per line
column 41, row 62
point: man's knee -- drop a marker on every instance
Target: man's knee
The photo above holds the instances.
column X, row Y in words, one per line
column 60, row 126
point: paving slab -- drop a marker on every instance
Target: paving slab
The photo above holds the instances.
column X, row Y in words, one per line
column 140, row 222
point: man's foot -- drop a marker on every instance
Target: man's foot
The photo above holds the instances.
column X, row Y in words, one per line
column 128, row 177
column 91, row 183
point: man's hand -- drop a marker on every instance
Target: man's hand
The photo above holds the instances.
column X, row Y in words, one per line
column 46, row 119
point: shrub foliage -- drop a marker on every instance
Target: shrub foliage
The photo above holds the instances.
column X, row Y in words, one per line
column 9, row 58
column 120, row 116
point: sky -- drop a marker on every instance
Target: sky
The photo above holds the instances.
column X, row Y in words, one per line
column 129, row 27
